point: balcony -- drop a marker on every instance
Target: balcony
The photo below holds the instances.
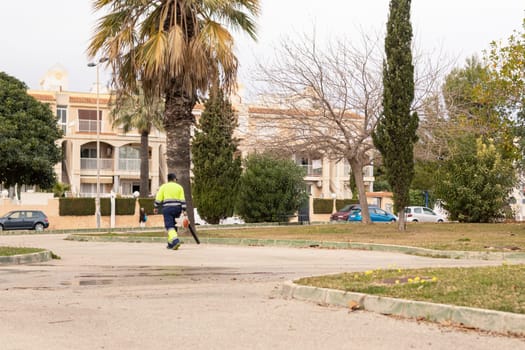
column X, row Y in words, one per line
column 312, row 172
column 85, row 125
column 130, row 165
column 91, row 163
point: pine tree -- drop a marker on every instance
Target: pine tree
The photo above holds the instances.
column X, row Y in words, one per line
column 395, row 133
column 216, row 164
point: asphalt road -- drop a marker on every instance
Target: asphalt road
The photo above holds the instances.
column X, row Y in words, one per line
column 143, row 296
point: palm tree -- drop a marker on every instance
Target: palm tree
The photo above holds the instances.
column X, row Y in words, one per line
column 136, row 111
column 174, row 48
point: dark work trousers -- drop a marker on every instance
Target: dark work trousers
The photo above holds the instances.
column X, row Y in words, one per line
column 171, row 213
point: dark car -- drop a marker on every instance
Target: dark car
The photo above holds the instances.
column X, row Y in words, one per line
column 24, row 220
column 342, row 214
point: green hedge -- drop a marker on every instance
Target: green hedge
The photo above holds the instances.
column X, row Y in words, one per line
column 123, row 206
column 76, row 206
column 340, row 203
column 325, row 206
column 147, row 204
column 86, row 206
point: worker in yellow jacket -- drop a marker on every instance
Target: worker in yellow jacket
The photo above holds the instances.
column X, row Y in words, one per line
column 171, row 197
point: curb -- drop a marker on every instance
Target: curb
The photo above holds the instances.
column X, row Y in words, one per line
column 424, row 252
column 487, row 320
column 26, row 258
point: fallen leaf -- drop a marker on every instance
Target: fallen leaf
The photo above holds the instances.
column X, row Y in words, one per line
column 353, row 305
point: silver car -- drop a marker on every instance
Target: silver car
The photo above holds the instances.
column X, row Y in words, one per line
column 422, row 214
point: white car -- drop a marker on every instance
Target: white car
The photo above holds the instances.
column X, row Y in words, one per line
column 232, row 220
column 422, row 214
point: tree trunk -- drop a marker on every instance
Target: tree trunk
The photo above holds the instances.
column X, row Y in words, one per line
column 401, row 223
column 144, row 164
column 178, row 120
column 357, row 172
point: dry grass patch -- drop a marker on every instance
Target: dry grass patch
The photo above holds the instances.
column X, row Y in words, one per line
column 448, row 236
column 8, row 251
column 495, row 288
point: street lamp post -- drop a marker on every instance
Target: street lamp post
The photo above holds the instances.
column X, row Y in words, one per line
column 98, row 119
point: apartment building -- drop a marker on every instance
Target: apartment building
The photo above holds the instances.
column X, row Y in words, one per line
column 118, row 167
column 325, row 177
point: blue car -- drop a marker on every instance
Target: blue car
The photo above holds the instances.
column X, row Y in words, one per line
column 376, row 215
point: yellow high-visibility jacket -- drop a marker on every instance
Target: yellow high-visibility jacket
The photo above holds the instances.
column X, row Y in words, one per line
column 170, row 194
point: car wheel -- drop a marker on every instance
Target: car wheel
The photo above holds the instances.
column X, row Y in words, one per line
column 414, row 220
column 39, row 227
column 440, row 221
column 393, row 220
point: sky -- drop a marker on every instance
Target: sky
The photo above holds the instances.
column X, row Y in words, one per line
column 37, row 35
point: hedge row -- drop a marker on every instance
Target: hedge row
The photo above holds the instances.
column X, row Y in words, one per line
column 325, row 206
column 86, row 206
column 126, row 206
column 147, row 204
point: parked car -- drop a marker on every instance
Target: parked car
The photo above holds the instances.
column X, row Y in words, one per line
column 198, row 219
column 342, row 214
column 24, row 220
column 422, row 214
column 232, row 220
column 376, row 215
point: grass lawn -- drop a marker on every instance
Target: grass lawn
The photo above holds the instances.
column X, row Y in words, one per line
column 495, row 288
column 8, row 251
column 447, row 236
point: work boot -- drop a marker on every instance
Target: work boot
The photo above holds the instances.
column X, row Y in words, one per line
column 174, row 245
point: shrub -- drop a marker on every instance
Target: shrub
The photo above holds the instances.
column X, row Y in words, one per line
column 76, row 206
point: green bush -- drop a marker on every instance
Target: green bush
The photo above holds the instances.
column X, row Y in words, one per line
column 325, row 206
column 147, row 204
column 76, row 206
column 271, row 189
column 123, row 206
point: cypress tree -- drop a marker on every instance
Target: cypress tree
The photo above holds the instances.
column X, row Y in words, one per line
column 216, row 164
column 395, row 133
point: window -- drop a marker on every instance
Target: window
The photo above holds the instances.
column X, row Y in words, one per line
column 428, row 211
column 86, row 152
column 129, row 158
column 88, row 189
column 129, row 152
column 88, row 158
column 87, row 120
column 62, row 118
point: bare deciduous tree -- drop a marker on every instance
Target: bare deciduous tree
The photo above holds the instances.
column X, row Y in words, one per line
column 327, row 100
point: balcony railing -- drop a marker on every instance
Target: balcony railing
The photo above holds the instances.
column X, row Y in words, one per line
column 91, row 163
column 129, row 164
column 310, row 171
column 87, row 125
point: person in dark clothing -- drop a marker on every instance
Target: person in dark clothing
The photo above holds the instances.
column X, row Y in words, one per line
column 142, row 218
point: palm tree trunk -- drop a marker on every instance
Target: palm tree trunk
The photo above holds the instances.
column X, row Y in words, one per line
column 178, row 120
column 144, row 164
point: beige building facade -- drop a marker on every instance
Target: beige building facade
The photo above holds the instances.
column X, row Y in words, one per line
column 117, row 169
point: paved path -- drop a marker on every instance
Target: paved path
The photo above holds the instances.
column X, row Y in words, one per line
column 142, row 296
